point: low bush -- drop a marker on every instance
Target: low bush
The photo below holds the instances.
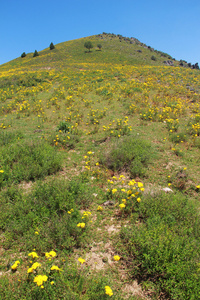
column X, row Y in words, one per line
column 51, row 209
column 178, row 137
column 24, row 161
column 72, row 281
column 165, row 246
column 129, row 153
column 9, row 137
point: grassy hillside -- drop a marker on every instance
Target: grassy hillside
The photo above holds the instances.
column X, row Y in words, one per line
column 99, row 173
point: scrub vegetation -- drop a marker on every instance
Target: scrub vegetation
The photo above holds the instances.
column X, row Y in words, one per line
column 99, row 173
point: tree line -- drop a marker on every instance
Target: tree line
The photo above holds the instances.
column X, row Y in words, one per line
column 51, row 47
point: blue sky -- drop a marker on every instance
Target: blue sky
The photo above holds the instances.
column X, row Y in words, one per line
column 171, row 26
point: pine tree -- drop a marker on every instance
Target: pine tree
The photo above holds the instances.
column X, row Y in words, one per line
column 35, row 53
column 23, row 55
column 52, row 46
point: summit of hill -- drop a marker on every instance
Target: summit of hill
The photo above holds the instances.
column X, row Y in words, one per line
column 115, row 49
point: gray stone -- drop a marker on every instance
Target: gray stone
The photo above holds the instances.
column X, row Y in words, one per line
column 107, row 203
column 167, row 190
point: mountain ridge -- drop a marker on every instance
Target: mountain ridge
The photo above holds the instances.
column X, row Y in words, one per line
column 115, row 49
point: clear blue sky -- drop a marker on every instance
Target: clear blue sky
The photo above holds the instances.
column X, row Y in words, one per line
column 171, row 26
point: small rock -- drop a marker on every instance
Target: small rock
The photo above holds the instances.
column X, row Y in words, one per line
column 168, row 62
column 167, row 190
column 107, row 203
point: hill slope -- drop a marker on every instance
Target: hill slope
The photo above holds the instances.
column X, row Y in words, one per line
column 115, row 50
column 99, row 173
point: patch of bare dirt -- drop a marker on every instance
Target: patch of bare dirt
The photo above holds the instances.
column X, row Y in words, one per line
column 113, row 229
column 26, row 186
column 133, row 289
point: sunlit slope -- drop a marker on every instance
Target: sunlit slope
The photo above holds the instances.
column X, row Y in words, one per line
column 114, row 51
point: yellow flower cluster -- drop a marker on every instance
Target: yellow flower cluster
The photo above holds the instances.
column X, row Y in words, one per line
column 86, row 214
column 34, row 267
column 33, row 254
column 15, row 265
column 81, row 260
column 50, row 254
column 39, row 279
column 108, row 291
column 55, row 268
column 116, row 257
column 99, row 208
column 81, row 225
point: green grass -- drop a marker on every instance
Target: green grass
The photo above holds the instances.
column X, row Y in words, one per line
column 88, row 141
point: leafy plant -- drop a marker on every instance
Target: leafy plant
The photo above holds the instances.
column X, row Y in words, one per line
column 88, row 45
column 24, row 161
column 99, row 46
column 168, row 234
column 129, row 153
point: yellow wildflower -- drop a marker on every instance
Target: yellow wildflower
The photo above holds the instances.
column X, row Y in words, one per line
column 55, row 268
column 33, row 254
column 50, row 254
column 15, row 265
column 81, row 260
column 99, row 208
column 39, row 279
column 122, row 205
column 82, row 225
column 116, row 257
column 108, row 291
column 36, row 265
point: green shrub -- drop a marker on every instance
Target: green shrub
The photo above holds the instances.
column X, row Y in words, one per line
column 178, row 137
column 129, row 153
column 65, row 126
column 51, row 208
column 23, row 55
column 165, row 246
column 88, row 45
column 10, row 137
column 74, row 282
column 99, row 46
column 24, row 161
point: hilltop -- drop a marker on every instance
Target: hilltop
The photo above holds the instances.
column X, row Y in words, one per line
column 116, row 49
column 99, row 173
